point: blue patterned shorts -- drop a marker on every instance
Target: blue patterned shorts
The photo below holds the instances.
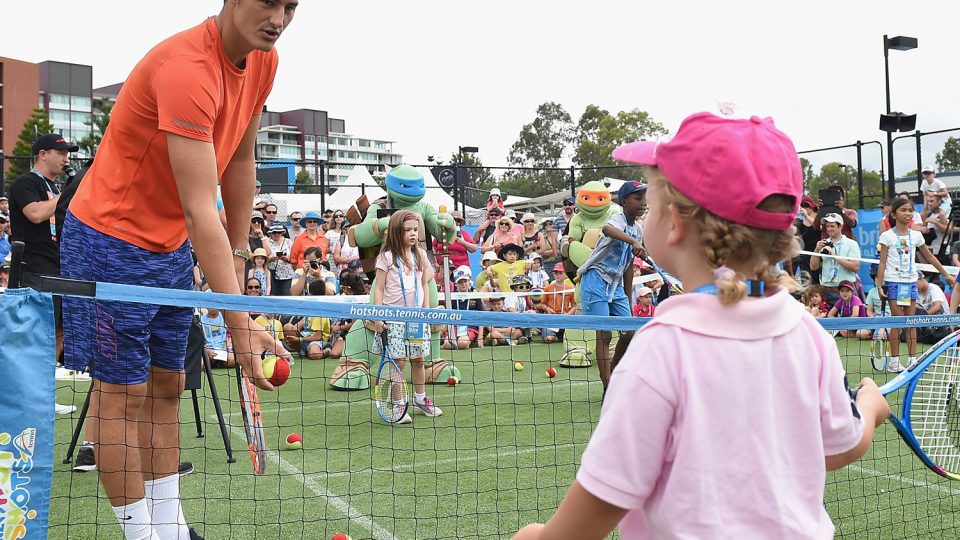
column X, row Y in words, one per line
column 119, row 341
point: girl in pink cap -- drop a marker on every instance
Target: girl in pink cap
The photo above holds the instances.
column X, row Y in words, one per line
column 737, row 368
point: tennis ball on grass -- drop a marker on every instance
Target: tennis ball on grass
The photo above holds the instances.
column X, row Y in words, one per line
column 551, row 372
column 518, row 366
column 294, row 442
column 276, row 370
column 453, row 381
column 340, row 536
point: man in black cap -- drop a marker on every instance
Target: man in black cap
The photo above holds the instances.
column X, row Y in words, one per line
column 33, row 202
column 569, row 208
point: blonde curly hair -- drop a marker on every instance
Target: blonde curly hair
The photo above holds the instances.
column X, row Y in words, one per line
column 725, row 241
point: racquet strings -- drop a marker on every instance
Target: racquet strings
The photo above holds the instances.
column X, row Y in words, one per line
column 935, row 413
column 391, row 392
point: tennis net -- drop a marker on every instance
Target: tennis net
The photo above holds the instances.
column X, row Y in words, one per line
column 516, row 419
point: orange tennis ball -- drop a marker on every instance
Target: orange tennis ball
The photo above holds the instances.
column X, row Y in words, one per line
column 276, row 370
column 551, row 372
column 340, row 536
column 452, row 381
column 294, row 442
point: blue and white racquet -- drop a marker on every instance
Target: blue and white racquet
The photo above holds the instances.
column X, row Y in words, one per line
column 390, row 390
column 929, row 419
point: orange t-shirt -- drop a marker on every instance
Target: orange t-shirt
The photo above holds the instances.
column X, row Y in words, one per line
column 186, row 85
column 560, row 302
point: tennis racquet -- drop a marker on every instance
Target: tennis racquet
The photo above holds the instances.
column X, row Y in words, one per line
column 252, row 421
column 879, row 349
column 879, row 345
column 390, row 390
column 930, row 415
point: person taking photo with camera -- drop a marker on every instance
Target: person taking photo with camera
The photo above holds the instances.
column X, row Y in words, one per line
column 833, row 269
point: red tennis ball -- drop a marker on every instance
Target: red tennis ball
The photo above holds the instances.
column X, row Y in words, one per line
column 452, row 381
column 276, row 370
column 551, row 372
column 294, row 437
column 340, row 536
column 294, row 442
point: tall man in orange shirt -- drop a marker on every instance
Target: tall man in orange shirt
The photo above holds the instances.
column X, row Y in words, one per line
column 186, row 117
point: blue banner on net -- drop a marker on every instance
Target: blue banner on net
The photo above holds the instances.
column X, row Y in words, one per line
column 27, row 367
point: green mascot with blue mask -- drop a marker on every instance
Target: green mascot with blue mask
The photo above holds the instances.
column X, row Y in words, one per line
column 405, row 190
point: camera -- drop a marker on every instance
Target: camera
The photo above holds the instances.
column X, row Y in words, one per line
column 281, row 254
column 827, row 244
column 315, row 265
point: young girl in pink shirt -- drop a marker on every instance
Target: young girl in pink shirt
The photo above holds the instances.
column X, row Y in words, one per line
column 403, row 275
column 743, row 399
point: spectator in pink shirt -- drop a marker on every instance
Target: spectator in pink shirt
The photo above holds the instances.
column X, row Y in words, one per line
column 754, row 379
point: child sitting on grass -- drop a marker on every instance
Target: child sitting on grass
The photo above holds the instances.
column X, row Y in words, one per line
column 813, row 300
column 849, row 305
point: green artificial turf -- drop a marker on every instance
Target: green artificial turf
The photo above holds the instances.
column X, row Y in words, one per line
column 502, row 455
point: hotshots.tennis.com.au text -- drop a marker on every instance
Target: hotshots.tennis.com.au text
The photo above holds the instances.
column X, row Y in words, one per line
column 928, row 319
column 383, row 312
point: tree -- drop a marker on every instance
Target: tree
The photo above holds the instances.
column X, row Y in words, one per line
column 836, row 173
column 808, row 175
column 38, row 124
column 541, row 144
column 305, row 184
column 949, row 158
column 98, row 126
column 479, row 179
column 599, row 133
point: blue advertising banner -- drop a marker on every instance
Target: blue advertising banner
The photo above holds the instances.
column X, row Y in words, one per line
column 27, row 366
column 867, row 234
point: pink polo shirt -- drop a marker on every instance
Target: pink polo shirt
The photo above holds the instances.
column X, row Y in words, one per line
column 717, row 421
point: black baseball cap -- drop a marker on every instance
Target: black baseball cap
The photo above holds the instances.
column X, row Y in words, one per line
column 52, row 141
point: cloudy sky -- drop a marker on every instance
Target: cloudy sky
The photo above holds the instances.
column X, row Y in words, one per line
column 434, row 74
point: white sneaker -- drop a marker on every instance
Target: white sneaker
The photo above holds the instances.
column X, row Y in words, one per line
column 65, row 409
column 401, row 409
column 893, row 366
column 427, row 407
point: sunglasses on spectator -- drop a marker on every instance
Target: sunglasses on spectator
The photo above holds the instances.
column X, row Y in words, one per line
column 258, row 220
column 568, row 204
column 269, row 211
column 502, row 223
column 253, row 287
column 338, row 216
column 309, row 221
column 530, row 221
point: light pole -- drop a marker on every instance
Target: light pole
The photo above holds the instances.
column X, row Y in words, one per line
column 461, row 186
column 891, row 121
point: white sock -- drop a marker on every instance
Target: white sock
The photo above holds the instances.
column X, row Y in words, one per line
column 895, row 360
column 134, row 520
column 419, row 397
column 163, row 496
column 911, row 360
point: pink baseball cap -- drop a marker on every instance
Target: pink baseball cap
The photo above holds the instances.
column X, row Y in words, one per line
column 728, row 166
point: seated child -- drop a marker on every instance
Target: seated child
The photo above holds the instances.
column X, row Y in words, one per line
column 218, row 346
column 505, row 270
column 538, row 276
column 501, row 335
column 313, row 336
column 849, row 305
column 815, row 303
column 644, row 306
column 483, row 281
column 271, row 324
column 464, row 335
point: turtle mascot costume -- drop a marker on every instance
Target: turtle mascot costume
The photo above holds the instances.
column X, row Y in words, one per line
column 405, row 190
column 594, row 204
